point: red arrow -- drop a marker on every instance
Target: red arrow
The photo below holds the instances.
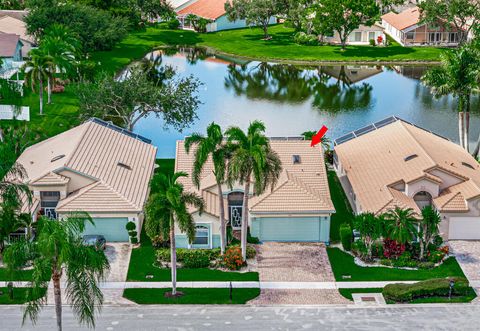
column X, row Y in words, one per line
column 317, row 138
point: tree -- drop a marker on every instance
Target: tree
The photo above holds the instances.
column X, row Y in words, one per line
column 254, row 12
column 326, row 141
column 251, row 159
column 388, row 5
column 198, row 23
column 128, row 100
column 59, row 250
column 343, row 16
column 457, row 75
column 153, row 9
column 400, row 224
column 463, row 15
column 168, row 205
column 37, row 71
column 370, row 228
column 211, row 146
column 61, row 45
column 428, row 228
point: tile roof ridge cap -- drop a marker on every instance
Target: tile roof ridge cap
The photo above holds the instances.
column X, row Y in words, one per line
column 269, row 194
column 119, row 194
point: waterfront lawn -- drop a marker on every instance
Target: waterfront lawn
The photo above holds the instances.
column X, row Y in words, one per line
column 19, row 296
column 343, row 211
column 347, row 292
column 200, row 296
column 343, row 264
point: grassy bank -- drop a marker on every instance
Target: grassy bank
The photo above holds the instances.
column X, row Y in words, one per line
column 200, row 296
column 343, row 264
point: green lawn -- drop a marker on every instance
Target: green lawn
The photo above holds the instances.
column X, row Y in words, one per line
column 343, row 264
column 199, row 296
column 25, row 275
column 343, row 212
column 347, row 292
column 19, row 296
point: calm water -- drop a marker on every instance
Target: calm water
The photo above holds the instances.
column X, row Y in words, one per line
column 292, row 99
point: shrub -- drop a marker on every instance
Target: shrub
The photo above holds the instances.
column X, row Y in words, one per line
column 163, row 254
column 426, row 265
column 414, row 249
column 346, row 236
column 130, row 226
column 372, row 42
column 377, row 250
column 251, row 252
column 159, row 242
column 173, row 24
column 132, row 234
column 428, row 288
column 196, row 259
column 392, row 249
column 250, row 239
column 436, row 256
column 233, row 258
column 438, row 241
column 359, row 248
column 134, row 240
column 306, row 39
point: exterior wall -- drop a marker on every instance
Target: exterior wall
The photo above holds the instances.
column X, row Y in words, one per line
column 474, row 212
column 49, row 188
column 419, row 35
column 347, row 186
column 447, row 179
column 365, row 33
column 422, row 185
column 222, row 23
column 77, row 181
column 212, row 222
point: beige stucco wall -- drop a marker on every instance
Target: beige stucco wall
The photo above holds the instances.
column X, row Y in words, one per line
column 447, row 179
column 206, row 219
column 422, row 185
column 77, row 181
column 474, row 211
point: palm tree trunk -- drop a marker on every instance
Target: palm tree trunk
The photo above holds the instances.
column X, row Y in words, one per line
column 422, row 249
column 49, row 91
column 173, row 257
column 461, row 128
column 221, row 207
column 57, row 294
column 40, row 92
column 245, row 219
column 467, row 122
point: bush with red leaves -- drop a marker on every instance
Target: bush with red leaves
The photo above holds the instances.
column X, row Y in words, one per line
column 392, row 249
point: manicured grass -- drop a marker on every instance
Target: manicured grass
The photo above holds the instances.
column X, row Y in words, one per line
column 166, row 166
column 347, row 292
column 343, row 264
column 218, row 296
column 24, row 275
column 19, row 296
column 343, row 211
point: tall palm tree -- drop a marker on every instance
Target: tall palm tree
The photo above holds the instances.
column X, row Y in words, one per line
column 168, row 205
column 428, row 228
column 459, row 75
column 37, row 71
column 59, row 43
column 58, row 250
column 211, row 146
column 400, row 224
column 251, row 159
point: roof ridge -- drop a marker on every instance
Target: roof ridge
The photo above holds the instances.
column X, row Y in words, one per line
column 403, row 123
column 67, row 200
column 453, row 196
column 305, row 187
column 74, row 150
column 119, row 194
column 277, row 187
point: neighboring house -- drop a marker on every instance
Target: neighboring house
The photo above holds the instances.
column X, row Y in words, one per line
column 12, row 25
column 10, row 49
column 297, row 209
column 97, row 168
column 213, row 10
column 360, row 36
column 18, row 14
column 406, row 28
column 351, row 74
column 179, row 4
column 394, row 163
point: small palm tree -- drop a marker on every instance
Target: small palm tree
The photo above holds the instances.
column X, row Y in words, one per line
column 168, row 205
column 252, row 158
column 370, row 228
column 428, row 228
column 211, row 146
column 59, row 250
column 458, row 75
column 401, row 224
column 38, row 70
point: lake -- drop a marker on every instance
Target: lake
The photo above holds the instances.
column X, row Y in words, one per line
column 293, row 99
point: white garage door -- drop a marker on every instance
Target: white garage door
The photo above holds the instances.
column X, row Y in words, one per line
column 464, row 228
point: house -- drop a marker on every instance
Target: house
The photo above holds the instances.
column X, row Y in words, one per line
column 351, row 74
column 360, row 36
column 393, row 163
column 10, row 49
column 406, row 28
column 13, row 25
column 213, row 10
column 297, row 209
column 97, row 168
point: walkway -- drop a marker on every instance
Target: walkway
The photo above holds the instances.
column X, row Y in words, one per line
column 468, row 257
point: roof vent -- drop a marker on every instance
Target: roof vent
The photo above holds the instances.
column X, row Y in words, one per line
column 410, row 157
column 123, row 165
column 468, row 165
column 296, row 159
column 58, row 157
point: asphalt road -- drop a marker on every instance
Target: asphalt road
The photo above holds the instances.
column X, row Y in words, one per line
column 245, row 318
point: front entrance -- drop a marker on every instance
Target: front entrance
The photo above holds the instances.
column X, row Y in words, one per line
column 235, row 209
column 423, row 199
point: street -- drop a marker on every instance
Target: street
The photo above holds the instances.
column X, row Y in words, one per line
column 183, row 317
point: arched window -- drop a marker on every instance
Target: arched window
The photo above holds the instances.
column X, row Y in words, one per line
column 202, row 235
column 423, row 199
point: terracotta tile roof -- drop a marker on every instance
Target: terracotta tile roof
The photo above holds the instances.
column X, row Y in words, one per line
column 8, row 44
column 404, row 19
column 211, row 9
column 119, row 160
column 301, row 188
column 399, row 199
column 402, row 152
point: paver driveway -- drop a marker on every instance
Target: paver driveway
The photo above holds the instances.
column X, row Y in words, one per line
column 468, row 256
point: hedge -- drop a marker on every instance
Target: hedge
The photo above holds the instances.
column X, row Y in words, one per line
column 439, row 287
column 163, row 254
column 346, row 236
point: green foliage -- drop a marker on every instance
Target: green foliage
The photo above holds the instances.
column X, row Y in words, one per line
column 302, row 38
column 428, row 228
column 163, row 254
column 196, row 260
column 400, row 225
column 173, row 24
column 251, row 240
column 232, row 259
column 133, row 240
column 130, row 226
column 371, row 229
column 429, row 288
column 372, row 42
column 346, row 236
column 199, row 23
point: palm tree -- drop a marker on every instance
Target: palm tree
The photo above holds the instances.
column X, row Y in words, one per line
column 252, row 158
column 457, row 75
column 400, row 224
column 59, row 43
column 168, row 205
column 37, row 70
column 370, row 228
column 58, row 250
column 211, row 145
column 428, row 228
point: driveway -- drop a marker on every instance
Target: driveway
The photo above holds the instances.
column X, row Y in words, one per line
column 118, row 255
column 468, row 256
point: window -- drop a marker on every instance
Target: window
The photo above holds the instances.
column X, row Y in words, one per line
column 453, row 37
column 410, row 157
column 296, row 159
column 410, row 35
column 201, row 235
column 371, row 35
column 434, row 37
column 357, row 36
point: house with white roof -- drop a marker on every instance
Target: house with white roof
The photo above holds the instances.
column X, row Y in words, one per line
column 96, row 168
column 297, row 209
column 393, row 163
